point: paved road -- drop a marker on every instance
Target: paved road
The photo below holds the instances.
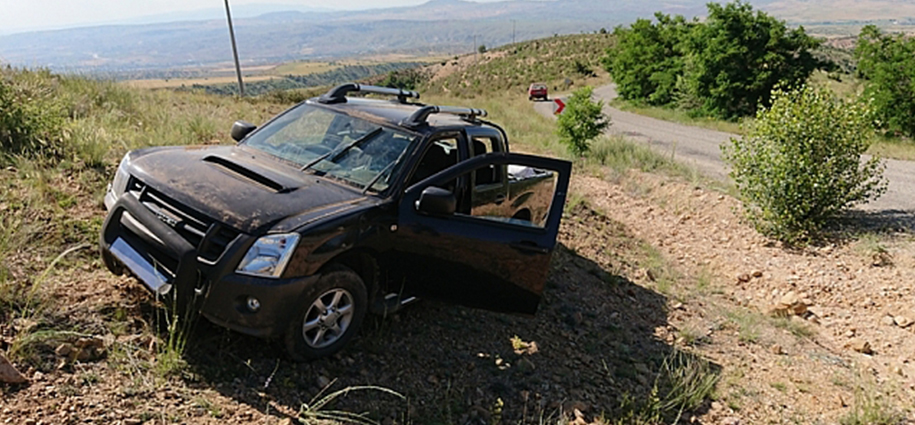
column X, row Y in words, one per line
column 701, row 148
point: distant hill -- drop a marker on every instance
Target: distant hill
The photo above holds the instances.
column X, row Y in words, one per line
column 436, row 27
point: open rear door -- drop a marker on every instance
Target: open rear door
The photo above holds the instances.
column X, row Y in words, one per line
column 493, row 253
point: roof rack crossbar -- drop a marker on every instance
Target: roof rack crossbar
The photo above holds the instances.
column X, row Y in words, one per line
column 418, row 118
column 338, row 94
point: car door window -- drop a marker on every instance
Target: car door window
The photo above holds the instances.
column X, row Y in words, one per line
column 440, row 154
column 525, row 200
column 487, row 175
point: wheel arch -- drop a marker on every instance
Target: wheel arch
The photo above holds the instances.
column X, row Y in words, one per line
column 361, row 261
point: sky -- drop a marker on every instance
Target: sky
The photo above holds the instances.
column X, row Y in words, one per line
column 20, row 15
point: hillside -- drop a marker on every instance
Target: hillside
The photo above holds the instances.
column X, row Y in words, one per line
column 436, row 27
column 656, row 311
column 560, row 61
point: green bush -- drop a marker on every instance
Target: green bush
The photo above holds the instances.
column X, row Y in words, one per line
column 800, row 165
column 582, row 121
column 725, row 66
column 31, row 117
column 888, row 63
column 648, row 58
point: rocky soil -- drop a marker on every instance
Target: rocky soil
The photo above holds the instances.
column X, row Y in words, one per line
column 651, row 272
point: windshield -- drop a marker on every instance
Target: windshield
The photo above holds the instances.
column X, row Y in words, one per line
column 352, row 149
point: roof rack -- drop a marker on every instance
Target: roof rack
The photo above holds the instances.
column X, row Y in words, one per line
column 338, row 94
column 418, row 118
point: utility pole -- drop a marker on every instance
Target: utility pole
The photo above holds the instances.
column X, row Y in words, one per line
column 241, row 84
column 474, row 48
column 513, row 31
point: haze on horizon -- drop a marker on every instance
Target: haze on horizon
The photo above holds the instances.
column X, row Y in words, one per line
column 37, row 15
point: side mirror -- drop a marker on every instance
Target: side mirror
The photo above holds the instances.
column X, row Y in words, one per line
column 241, row 129
column 436, row 201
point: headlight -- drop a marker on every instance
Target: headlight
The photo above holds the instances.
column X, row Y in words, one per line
column 119, row 185
column 269, row 255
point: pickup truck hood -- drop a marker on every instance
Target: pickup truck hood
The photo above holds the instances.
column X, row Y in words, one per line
column 237, row 186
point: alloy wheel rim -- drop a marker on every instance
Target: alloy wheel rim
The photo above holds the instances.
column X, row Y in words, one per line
column 328, row 318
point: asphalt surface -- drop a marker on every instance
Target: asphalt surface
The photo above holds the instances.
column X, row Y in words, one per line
column 700, row 148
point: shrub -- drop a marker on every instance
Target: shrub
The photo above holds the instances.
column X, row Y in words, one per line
column 800, row 166
column 31, row 117
column 582, row 121
column 888, row 63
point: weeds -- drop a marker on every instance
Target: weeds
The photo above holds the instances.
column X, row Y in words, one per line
column 683, row 384
column 313, row 411
column 795, row 327
column 871, row 409
column 659, row 270
column 748, row 324
column 873, row 247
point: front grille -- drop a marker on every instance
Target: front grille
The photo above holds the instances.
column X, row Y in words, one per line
column 210, row 237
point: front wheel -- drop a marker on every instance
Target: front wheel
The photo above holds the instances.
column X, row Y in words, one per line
column 329, row 315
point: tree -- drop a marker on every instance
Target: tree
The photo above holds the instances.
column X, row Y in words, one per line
column 800, row 164
column 736, row 58
column 582, row 120
column 888, row 63
column 482, row 48
column 647, row 58
column 725, row 67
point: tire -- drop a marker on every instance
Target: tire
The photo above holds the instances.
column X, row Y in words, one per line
column 311, row 335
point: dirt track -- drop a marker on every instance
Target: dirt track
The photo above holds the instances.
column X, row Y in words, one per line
column 700, row 147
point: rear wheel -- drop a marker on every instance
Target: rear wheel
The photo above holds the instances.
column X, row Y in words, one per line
column 329, row 315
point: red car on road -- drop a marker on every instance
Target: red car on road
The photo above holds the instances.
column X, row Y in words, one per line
column 537, row 91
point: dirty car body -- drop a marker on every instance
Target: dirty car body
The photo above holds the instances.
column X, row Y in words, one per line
column 337, row 206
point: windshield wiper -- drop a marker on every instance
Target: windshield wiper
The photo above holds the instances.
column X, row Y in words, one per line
column 354, row 143
column 377, row 176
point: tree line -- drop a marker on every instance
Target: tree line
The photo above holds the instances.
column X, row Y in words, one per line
column 725, row 66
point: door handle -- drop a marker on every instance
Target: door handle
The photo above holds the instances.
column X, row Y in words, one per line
column 529, row 246
column 500, row 198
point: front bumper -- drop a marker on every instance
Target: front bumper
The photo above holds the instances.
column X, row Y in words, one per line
column 134, row 238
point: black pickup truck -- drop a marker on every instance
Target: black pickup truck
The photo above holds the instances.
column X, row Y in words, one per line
column 339, row 206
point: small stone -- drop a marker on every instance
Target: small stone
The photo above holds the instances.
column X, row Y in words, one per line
column 29, row 421
column 888, row 321
column 650, row 275
column 789, row 299
column 285, row 421
column 861, row 346
column 777, row 349
column 730, row 421
column 757, row 273
column 850, row 333
column 64, row 350
column 9, row 374
column 743, row 278
column 902, row 321
column 92, row 342
column 323, row 381
column 132, row 421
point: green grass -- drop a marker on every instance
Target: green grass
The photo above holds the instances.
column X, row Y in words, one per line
column 748, row 324
column 870, row 408
column 679, row 116
column 683, row 383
